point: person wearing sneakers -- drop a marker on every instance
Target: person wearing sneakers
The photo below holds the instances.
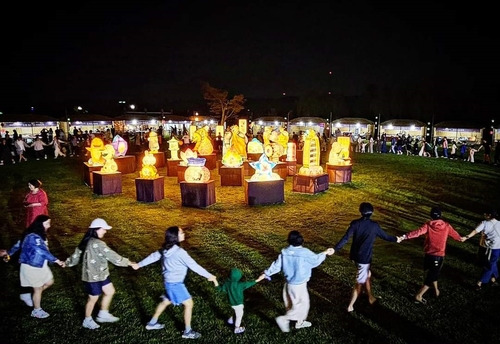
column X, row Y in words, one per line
column 175, row 262
column 491, row 229
column 95, row 271
column 436, row 233
column 364, row 232
column 234, row 289
column 297, row 263
column 34, row 259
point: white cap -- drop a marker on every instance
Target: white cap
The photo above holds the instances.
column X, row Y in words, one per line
column 100, row 223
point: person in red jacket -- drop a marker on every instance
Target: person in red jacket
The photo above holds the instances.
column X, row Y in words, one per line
column 436, row 233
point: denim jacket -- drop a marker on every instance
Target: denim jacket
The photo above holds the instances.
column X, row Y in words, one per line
column 34, row 251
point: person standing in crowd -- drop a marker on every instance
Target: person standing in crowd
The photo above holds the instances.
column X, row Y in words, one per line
column 21, row 148
column 175, row 262
column 95, row 272
column 496, row 159
column 364, row 232
column 34, row 259
column 38, row 147
column 445, row 147
column 436, row 233
column 463, row 151
column 453, row 153
column 491, row 229
column 234, row 288
column 6, row 153
column 370, row 147
column 58, row 149
column 485, row 145
column 296, row 262
column 36, row 201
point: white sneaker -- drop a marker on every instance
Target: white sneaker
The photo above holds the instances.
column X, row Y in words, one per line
column 283, row 324
column 303, row 324
column 239, row 330
column 39, row 313
column 26, row 298
column 90, row 324
column 230, row 321
column 156, row 326
column 106, row 318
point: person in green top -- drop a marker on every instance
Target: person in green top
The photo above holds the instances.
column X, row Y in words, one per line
column 95, row 271
column 234, row 288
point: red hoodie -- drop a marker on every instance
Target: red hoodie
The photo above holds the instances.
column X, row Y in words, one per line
column 437, row 231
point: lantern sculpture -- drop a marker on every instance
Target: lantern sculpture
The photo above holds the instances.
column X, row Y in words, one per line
column 255, row 147
column 203, row 143
column 311, row 155
column 154, row 146
column 238, row 141
column 173, row 147
column 339, row 153
column 264, row 170
column 148, row 170
column 95, row 149
column 196, row 171
column 188, row 153
column 120, row 146
column 291, row 151
column 108, row 155
column 232, row 158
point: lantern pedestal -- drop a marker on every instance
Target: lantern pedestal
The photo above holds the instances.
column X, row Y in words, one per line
column 126, row 164
column 149, row 190
column 310, row 184
column 197, row 195
column 254, row 156
column 160, row 159
column 248, row 170
column 300, row 157
column 211, row 162
column 281, row 169
column 292, row 167
column 180, row 173
column 87, row 173
column 231, row 176
column 172, row 167
column 339, row 174
column 107, row 183
column 264, row 192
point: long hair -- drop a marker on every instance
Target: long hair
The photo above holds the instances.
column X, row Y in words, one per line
column 91, row 233
column 171, row 238
column 37, row 227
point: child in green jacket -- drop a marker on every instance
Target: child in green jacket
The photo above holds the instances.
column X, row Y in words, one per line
column 234, row 288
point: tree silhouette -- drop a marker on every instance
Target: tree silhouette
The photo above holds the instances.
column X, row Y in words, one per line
column 219, row 104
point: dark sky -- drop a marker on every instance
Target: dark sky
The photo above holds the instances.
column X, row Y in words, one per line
column 158, row 52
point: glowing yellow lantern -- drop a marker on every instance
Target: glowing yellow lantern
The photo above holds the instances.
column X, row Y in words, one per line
column 196, row 171
column 173, row 147
column 238, row 141
column 203, row 143
column 311, row 155
column 339, row 153
column 95, row 149
column 232, row 158
column 255, row 147
column 291, row 151
column 154, row 146
column 108, row 155
column 148, row 170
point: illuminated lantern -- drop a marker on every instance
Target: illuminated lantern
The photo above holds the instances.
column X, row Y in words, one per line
column 196, row 171
column 173, row 147
column 339, row 153
column 238, row 141
column 108, row 155
column 232, row 158
column 203, row 143
column 95, row 149
column 291, row 151
column 255, row 147
column 282, row 139
column 154, row 146
column 264, row 169
column 186, row 155
column 148, row 170
column 311, row 155
column 120, row 146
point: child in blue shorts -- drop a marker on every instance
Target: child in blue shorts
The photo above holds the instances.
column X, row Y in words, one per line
column 175, row 263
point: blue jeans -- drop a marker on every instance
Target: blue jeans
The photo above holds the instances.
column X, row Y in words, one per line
column 491, row 268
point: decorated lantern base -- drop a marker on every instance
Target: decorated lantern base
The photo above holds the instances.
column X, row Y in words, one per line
column 264, row 192
column 197, row 195
column 339, row 174
column 160, row 159
column 248, row 170
column 149, row 190
column 87, row 173
column 180, row 173
column 231, row 176
column 172, row 167
column 254, row 156
column 126, row 164
column 292, row 167
column 107, row 183
column 211, row 161
column 281, row 169
column 310, row 184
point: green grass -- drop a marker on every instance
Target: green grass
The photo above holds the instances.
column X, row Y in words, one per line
column 231, row 234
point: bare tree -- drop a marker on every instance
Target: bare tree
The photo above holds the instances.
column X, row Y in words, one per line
column 219, row 104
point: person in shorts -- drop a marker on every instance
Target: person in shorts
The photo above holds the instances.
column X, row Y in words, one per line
column 364, row 232
column 95, row 272
column 175, row 262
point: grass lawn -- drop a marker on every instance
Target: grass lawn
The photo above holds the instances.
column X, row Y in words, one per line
column 231, row 234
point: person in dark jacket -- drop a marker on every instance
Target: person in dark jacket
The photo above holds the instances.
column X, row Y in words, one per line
column 364, row 232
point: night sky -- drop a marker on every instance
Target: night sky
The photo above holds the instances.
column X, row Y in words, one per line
column 158, row 52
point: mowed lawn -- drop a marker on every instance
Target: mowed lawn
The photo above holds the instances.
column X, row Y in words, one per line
column 231, row 234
